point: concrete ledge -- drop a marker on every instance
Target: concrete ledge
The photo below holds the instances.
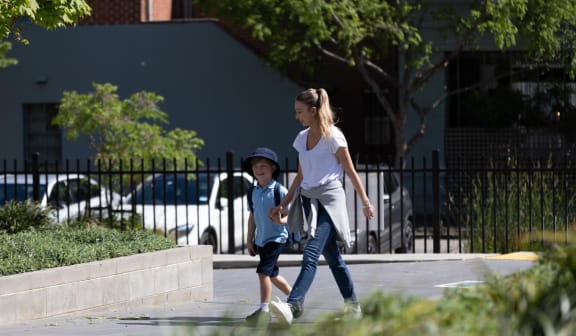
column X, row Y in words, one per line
column 224, row 261
column 168, row 277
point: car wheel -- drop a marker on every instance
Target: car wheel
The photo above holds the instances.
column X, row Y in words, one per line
column 372, row 247
column 209, row 238
column 408, row 243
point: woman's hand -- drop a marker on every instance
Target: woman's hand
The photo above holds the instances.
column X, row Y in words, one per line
column 368, row 211
column 277, row 214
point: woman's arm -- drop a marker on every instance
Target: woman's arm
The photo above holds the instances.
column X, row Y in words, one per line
column 280, row 211
column 292, row 190
column 343, row 156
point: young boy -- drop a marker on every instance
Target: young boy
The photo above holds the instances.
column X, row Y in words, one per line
column 265, row 237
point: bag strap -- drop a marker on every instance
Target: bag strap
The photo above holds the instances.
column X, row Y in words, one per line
column 250, row 201
column 277, row 196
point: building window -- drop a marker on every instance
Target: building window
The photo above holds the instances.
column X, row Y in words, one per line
column 377, row 130
column 377, row 125
column 40, row 136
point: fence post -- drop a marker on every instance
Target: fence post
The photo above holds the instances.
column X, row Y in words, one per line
column 436, row 200
column 230, row 197
column 36, row 177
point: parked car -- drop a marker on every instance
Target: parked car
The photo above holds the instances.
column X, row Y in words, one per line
column 193, row 208
column 69, row 195
column 392, row 228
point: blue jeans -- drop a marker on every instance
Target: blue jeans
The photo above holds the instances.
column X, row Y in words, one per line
column 323, row 242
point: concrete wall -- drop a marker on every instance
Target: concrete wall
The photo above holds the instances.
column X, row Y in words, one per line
column 210, row 82
column 160, row 278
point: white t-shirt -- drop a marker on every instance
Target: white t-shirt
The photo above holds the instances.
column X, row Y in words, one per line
column 319, row 164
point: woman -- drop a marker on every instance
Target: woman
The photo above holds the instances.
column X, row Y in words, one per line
column 319, row 207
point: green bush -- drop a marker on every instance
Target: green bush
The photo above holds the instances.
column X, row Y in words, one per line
column 34, row 250
column 18, row 216
column 537, row 301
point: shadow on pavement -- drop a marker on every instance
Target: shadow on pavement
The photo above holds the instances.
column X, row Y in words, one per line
column 196, row 321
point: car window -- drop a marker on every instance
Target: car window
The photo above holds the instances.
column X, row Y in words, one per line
column 59, row 194
column 241, row 186
column 173, row 190
column 82, row 190
column 73, row 190
column 390, row 183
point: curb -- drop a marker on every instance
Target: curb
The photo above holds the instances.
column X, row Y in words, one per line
column 230, row 261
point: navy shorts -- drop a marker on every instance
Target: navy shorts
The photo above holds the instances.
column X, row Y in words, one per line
column 269, row 254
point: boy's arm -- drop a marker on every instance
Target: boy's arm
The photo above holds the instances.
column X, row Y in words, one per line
column 250, row 234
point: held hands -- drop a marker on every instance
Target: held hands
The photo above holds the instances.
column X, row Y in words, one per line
column 278, row 215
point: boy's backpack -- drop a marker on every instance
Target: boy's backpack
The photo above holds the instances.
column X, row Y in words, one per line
column 276, row 196
column 293, row 237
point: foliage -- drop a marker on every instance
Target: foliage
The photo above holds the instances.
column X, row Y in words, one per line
column 513, row 209
column 47, row 14
column 126, row 129
column 34, row 250
column 538, row 301
column 542, row 300
column 367, row 34
column 18, row 216
column 5, row 46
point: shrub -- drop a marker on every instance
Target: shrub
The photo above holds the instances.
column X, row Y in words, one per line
column 538, row 301
column 18, row 216
column 62, row 246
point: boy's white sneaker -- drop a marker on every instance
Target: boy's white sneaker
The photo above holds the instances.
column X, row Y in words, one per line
column 282, row 311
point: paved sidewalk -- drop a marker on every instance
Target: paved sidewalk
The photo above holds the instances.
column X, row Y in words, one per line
column 236, row 293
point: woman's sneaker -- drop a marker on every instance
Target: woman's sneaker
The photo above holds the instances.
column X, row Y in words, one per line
column 282, row 310
column 296, row 308
column 353, row 309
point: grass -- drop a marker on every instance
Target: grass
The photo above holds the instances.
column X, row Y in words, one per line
column 34, row 250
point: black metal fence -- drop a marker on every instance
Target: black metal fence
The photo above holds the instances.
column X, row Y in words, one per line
column 422, row 207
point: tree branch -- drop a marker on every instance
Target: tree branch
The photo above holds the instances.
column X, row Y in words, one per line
column 468, row 33
column 424, row 111
column 332, row 55
column 447, row 95
column 419, row 134
column 375, row 88
column 387, row 77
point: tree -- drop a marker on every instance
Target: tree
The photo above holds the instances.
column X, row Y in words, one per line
column 47, row 14
column 120, row 130
column 5, row 46
column 363, row 34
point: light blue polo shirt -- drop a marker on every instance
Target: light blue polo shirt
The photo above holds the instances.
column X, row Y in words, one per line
column 266, row 230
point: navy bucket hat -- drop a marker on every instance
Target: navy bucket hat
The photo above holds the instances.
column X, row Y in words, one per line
column 262, row 152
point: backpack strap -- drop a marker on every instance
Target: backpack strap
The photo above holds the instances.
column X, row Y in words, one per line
column 277, row 197
column 250, row 200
